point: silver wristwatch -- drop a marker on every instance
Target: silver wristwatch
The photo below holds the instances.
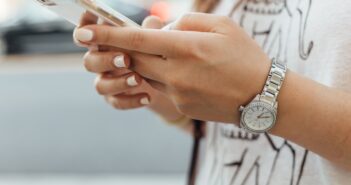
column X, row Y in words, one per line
column 260, row 114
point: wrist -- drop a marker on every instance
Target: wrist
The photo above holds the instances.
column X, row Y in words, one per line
column 293, row 107
column 313, row 116
column 297, row 100
column 285, row 106
column 260, row 115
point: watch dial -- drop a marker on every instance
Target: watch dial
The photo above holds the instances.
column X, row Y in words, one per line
column 259, row 118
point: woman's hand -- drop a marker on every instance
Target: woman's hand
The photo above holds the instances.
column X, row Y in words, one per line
column 209, row 68
column 122, row 88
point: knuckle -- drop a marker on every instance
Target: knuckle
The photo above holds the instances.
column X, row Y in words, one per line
column 117, row 104
column 99, row 87
column 88, row 65
column 186, row 18
column 202, row 51
column 99, row 90
column 194, row 50
column 118, row 85
column 224, row 24
column 136, row 39
column 224, row 20
column 104, row 35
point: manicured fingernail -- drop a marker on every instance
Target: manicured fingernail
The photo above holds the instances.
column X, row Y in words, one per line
column 119, row 62
column 145, row 101
column 131, row 81
column 79, row 44
column 83, row 35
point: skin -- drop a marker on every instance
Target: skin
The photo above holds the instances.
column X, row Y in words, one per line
column 208, row 67
column 110, row 81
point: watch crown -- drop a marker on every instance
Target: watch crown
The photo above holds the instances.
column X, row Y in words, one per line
column 276, row 105
column 241, row 108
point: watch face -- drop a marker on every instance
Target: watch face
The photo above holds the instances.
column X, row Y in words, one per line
column 258, row 117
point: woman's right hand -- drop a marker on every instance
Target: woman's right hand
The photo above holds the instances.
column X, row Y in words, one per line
column 122, row 88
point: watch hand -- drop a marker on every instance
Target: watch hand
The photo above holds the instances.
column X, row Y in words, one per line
column 260, row 116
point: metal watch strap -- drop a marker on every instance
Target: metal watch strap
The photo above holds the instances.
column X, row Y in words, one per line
column 274, row 82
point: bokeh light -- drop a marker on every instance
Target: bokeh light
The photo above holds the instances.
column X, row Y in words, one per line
column 161, row 9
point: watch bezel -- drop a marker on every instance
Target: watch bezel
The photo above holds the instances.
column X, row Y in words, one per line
column 267, row 106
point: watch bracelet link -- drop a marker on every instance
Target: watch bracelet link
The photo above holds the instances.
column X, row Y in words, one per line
column 274, row 82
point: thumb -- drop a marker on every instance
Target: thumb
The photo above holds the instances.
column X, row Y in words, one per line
column 152, row 22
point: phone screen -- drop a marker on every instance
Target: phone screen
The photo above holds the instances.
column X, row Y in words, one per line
column 72, row 10
column 108, row 13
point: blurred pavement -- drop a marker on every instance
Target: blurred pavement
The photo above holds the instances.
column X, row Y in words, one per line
column 53, row 121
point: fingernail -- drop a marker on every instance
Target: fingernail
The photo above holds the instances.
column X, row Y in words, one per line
column 131, row 81
column 119, row 62
column 84, row 35
column 145, row 101
column 79, row 44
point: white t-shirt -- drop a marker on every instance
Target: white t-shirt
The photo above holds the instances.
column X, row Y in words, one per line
column 314, row 38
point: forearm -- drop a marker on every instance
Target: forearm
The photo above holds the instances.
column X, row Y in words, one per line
column 316, row 117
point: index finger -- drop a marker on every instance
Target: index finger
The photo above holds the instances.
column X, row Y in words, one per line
column 150, row 41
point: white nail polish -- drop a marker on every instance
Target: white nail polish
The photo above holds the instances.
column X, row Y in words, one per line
column 83, row 35
column 119, row 62
column 145, row 101
column 131, row 81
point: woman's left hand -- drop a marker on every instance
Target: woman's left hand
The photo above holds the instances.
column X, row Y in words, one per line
column 206, row 64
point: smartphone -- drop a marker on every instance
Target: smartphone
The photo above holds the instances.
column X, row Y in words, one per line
column 72, row 10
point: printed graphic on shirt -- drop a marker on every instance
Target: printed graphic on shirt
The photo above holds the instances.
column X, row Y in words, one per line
column 260, row 159
column 269, row 22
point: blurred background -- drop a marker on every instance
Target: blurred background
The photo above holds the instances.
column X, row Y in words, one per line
column 54, row 128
